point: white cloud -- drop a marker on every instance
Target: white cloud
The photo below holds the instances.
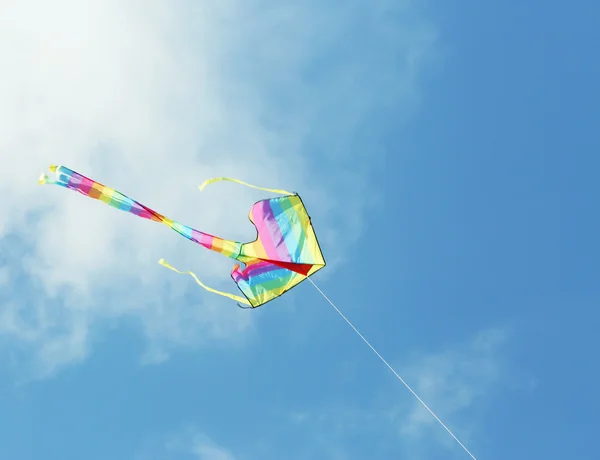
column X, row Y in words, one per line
column 205, row 449
column 152, row 98
column 190, row 444
column 458, row 384
column 453, row 381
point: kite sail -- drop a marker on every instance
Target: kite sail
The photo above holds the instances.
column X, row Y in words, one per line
column 285, row 252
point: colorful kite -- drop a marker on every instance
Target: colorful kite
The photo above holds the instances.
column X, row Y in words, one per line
column 285, row 252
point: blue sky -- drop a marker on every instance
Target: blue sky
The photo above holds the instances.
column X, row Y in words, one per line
column 447, row 152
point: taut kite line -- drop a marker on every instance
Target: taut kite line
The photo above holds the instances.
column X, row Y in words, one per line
column 284, row 254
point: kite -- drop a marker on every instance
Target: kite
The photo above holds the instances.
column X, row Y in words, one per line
column 284, row 253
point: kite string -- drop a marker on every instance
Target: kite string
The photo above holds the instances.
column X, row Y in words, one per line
column 391, row 369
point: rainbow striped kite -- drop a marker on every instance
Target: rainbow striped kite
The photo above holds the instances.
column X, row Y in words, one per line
column 284, row 253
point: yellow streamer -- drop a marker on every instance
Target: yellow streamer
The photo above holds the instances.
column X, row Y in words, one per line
column 218, row 179
column 193, row 275
column 44, row 179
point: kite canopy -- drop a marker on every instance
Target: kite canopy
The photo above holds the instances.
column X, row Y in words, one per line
column 284, row 253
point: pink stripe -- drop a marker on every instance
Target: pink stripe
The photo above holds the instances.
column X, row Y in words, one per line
column 204, row 239
column 86, row 184
column 141, row 212
column 263, row 234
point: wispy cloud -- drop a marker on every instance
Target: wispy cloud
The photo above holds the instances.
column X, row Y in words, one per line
column 190, row 443
column 152, row 98
column 452, row 381
column 205, row 449
column 458, row 384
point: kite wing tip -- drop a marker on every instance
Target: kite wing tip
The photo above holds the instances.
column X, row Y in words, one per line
column 43, row 179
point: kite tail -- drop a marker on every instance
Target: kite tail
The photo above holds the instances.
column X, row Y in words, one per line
column 193, row 275
column 218, row 179
column 72, row 180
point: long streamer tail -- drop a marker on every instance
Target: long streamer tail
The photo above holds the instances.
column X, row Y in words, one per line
column 391, row 369
column 72, row 180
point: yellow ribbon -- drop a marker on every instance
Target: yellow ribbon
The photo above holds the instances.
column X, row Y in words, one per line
column 218, row 179
column 193, row 275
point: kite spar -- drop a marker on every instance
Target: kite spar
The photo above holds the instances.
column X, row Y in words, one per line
column 284, row 253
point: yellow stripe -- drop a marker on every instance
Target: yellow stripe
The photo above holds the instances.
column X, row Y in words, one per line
column 106, row 195
column 193, row 275
column 218, row 179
